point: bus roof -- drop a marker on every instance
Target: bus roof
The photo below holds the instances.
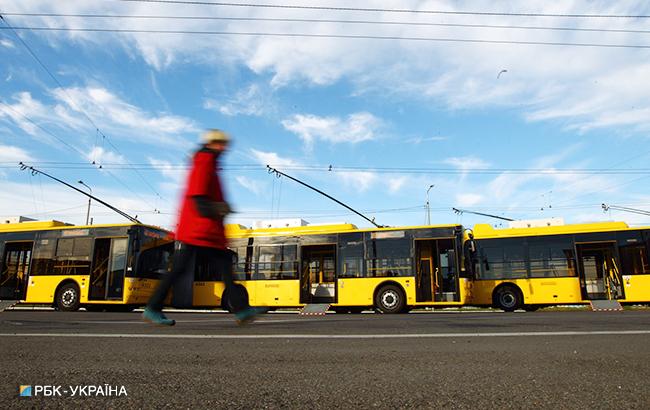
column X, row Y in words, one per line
column 240, row 231
column 56, row 225
column 487, row 231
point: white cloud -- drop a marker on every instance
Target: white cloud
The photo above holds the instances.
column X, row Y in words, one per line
column 168, row 170
column 127, row 120
column 467, row 163
column 420, row 140
column 251, row 101
column 251, row 185
column 273, row 159
column 115, row 117
column 359, row 181
column 6, row 43
column 396, row 183
column 547, row 83
column 9, row 153
column 101, row 156
column 469, row 199
column 358, row 127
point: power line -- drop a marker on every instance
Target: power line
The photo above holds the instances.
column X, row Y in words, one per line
column 62, row 141
column 415, row 11
column 335, row 21
column 70, row 99
column 35, row 171
column 335, row 169
column 346, row 36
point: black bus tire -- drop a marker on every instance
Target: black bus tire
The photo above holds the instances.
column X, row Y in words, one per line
column 240, row 293
column 68, row 297
column 390, row 299
column 508, row 298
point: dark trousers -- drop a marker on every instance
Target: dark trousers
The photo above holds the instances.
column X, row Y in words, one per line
column 187, row 259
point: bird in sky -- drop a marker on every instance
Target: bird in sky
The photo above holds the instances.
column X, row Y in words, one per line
column 501, row 72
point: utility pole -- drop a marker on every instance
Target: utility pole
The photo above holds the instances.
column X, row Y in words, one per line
column 428, row 207
column 89, row 199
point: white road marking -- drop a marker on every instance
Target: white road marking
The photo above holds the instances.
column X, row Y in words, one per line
column 331, row 336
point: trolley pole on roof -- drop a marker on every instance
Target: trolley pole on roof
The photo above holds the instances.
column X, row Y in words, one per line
column 35, row 171
column 464, row 211
column 428, row 206
column 91, row 192
column 278, row 174
column 625, row 209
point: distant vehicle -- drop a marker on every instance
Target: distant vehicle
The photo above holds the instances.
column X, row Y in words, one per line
column 388, row 269
column 112, row 267
column 540, row 266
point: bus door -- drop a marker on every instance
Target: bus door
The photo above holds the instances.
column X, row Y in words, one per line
column 108, row 266
column 15, row 268
column 318, row 274
column 436, row 271
column 600, row 277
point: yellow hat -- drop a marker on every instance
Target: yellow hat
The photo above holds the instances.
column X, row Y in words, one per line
column 215, row 135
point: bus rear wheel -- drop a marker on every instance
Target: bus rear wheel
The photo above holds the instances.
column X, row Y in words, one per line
column 236, row 297
column 68, row 297
column 507, row 298
column 390, row 299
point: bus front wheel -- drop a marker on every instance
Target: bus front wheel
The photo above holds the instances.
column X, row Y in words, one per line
column 390, row 299
column 507, row 298
column 68, row 297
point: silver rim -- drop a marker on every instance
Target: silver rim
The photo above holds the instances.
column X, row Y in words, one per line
column 508, row 299
column 68, row 297
column 389, row 299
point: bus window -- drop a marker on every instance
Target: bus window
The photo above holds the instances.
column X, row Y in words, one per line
column 44, row 257
column 389, row 257
column 351, row 257
column 634, row 254
column 551, row 258
column 155, row 258
column 72, row 256
column 503, row 261
column 242, row 264
column 276, row 262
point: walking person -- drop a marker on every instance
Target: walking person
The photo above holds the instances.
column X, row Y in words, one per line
column 200, row 234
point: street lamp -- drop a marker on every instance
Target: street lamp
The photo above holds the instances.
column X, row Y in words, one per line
column 428, row 207
column 91, row 192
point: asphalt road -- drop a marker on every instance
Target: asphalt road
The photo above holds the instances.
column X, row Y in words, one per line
column 543, row 359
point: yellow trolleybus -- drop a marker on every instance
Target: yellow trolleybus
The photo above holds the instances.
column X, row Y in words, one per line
column 389, row 269
column 99, row 267
column 540, row 266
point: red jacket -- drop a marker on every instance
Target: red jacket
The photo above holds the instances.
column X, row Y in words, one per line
column 194, row 229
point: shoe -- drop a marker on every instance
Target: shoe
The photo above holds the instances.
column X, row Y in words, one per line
column 157, row 317
column 248, row 315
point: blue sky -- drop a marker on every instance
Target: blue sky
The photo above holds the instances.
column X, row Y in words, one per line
column 377, row 106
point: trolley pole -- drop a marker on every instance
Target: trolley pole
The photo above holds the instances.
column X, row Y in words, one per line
column 428, row 206
column 89, row 199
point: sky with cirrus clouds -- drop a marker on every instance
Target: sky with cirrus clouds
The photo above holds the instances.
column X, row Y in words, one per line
column 496, row 128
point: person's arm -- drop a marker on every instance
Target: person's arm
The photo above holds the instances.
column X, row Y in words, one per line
column 209, row 208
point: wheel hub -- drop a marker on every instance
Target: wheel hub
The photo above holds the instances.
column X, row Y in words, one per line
column 68, row 297
column 389, row 299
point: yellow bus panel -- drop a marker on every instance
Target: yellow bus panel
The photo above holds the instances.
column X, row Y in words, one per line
column 535, row 291
column 274, row 292
column 636, row 288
